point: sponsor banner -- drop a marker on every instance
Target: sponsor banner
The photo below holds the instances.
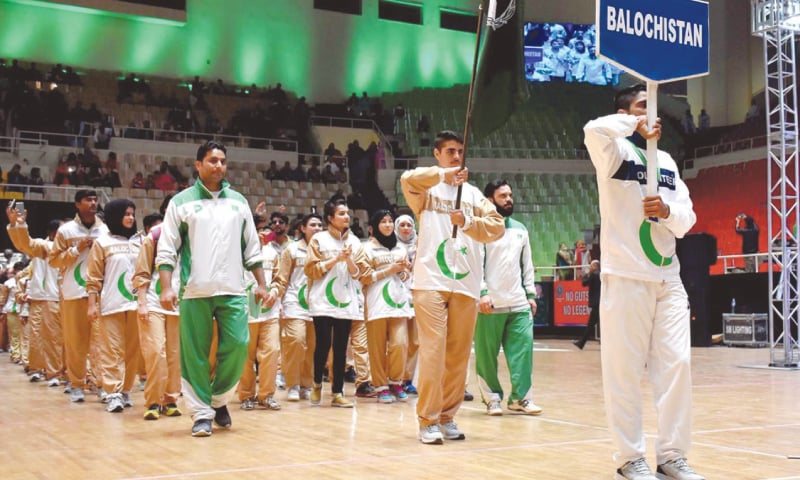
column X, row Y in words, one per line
column 570, row 303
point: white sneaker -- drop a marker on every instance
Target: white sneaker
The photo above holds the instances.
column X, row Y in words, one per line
column 431, row 435
column 126, row 400
column 294, row 394
column 76, row 395
column 280, row 381
column 53, row 382
column 493, row 408
column 305, row 393
column 36, row 377
column 635, row 470
column 451, row 431
column 678, row 469
column 103, row 396
column 525, row 406
column 115, row 403
column 270, row 403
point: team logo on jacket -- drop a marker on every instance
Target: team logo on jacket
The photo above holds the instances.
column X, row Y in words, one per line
column 330, row 294
column 77, row 275
column 123, row 289
column 456, row 252
column 301, row 297
column 387, row 297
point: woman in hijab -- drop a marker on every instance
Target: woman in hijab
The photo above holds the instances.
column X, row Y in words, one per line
column 405, row 230
column 386, row 299
column 110, row 268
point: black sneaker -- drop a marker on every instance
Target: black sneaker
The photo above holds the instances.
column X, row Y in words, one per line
column 468, row 397
column 223, row 418
column 202, row 428
column 366, row 390
column 578, row 343
column 350, row 375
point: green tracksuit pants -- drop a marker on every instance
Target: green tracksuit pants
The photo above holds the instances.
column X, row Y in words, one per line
column 203, row 392
column 514, row 332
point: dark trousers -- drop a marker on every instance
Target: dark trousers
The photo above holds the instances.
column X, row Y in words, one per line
column 594, row 318
column 329, row 331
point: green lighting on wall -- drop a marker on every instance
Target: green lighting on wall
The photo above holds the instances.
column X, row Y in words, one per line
column 321, row 55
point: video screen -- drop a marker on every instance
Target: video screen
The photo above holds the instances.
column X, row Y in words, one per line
column 565, row 52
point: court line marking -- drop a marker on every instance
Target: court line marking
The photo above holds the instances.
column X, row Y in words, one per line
column 261, row 468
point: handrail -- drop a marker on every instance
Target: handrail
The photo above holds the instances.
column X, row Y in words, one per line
column 174, row 136
column 729, row 261
column 66, row 192
column 180, row 136
column 486, row 152
column 30, row 136
column 351, row 123
column 731, row 146
column 11, row 144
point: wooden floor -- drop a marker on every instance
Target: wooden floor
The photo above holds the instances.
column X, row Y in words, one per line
column 746, row 425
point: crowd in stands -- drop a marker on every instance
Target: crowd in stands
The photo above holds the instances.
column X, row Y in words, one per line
column 27, row 104
column 87, row 169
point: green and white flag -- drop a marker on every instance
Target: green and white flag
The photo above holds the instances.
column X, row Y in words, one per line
column 500, row 85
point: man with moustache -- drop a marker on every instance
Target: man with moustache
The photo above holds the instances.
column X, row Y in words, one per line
column 506, row 309
column 209, row 229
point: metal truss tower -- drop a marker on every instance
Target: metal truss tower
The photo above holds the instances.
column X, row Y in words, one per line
column 777, row 21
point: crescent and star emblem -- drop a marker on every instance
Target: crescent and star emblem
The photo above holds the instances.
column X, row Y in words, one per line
column 388, row 298
column 301, row 297
column 650, row 251
column 332, row 298
column 77, row 275
column 123, row 290
column 442, row 262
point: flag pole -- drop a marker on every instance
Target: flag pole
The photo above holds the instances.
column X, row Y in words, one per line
column 469, row 103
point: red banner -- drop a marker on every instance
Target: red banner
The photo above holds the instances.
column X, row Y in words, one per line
column 570, row 303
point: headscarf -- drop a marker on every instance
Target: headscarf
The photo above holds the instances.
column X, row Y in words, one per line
column 409, row 239
column 388, row 241
column 114, row 212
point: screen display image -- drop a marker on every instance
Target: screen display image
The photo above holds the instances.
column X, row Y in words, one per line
column 565, row 52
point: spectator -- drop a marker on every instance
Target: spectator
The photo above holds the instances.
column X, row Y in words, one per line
column 753, row 113
column 564, row 259
column 298, row 174
column 687, row 122
column 352, row 104
column 149, row 182
column 749, row 233
column 423, row 125
column 314, row 175
column 163, row 180
column 62, row 172
column 102, row 135
column 399, row 117
column 219, row 88
column 423, row 129
column 704, row 120
column 15, row 177
column 36, row 179
column 582, row 256
column 363, row 105
column 138, row 181
column 327, row 174
column 272, row 173
column 110, row 173
column 285, row 173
